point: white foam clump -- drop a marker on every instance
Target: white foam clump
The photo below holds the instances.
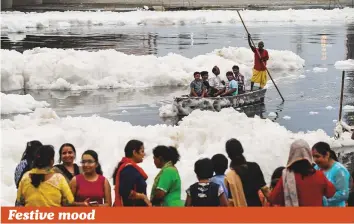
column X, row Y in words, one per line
column 286, row 117
column 272, row 114
column 348, row 108
column 319, row 70
column 22, row 21
column 168, row 110
column 313, row 113
column 195, row 137
column 59, row 69
column 345, row 65
column 14, row 103
column 329, row 108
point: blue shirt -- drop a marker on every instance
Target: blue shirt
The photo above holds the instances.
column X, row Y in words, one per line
column 339, row 176
column 219, row 179
column 233, row 85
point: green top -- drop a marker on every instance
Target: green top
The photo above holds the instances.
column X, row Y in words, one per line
column 170, row 182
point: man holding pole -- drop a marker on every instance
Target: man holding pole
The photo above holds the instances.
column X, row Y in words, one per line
column 260, row 61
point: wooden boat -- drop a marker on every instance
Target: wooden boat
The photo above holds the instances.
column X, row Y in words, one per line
column 186, row 104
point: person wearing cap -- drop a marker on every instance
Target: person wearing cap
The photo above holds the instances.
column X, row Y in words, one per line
column 217, row 85
column 260, row 63
column 301, row 184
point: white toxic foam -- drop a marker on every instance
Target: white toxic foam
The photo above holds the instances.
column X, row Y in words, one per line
column 345, row 65
column 202, row 134
column 45, row 68
column 13, row 103
column 21, row 21
column 348, row 108
column 319, row 70
column 168, row 110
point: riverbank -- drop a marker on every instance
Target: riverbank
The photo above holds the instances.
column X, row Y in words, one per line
column 172, row 5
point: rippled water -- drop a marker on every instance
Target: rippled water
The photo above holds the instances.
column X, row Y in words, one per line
column 320, row 46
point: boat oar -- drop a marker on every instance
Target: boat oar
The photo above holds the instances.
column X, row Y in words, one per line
column 259, row 56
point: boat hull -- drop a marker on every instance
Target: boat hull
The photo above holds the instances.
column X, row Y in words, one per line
column 186, row 104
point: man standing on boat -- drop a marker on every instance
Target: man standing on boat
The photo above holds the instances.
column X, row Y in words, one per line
column 259, row 69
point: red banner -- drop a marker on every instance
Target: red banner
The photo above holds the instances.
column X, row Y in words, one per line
column 175, row 215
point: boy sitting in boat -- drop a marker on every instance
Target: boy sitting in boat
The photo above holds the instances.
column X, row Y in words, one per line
column 239, row 78
column 217, row 86
column 205, row 78
column 233, row 86
column 197, row 87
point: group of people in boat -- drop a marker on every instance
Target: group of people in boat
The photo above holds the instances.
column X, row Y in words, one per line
column 311, row 177
column 203, row 86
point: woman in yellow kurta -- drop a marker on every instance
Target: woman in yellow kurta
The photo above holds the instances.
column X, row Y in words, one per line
column 41, row 186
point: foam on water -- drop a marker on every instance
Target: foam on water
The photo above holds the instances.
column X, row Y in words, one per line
column 348, row 108
column 264, row 141
column 21, row 21
column 345, row 65
column 58, row 69
column 319, row 70
column 13, row 103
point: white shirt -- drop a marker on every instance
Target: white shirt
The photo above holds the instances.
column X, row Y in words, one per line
column 216, row 82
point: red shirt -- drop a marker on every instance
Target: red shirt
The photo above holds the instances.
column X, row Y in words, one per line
column 310, row 190
column 258, row 65
column 89, row 189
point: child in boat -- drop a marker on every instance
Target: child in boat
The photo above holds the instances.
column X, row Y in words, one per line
column 217, row 85
column 239, row 78
column 205, row 78
column 197, row 87
column 233, row 86
column 205, row 192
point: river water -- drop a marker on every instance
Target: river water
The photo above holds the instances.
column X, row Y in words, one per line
column 320, row 46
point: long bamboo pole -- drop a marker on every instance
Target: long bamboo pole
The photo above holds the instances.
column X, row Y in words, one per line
column 341, row 97
column 259, row 56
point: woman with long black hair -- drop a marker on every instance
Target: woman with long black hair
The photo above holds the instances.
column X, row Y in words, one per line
column 41, row 186
column 27, row 160
column 245, row 179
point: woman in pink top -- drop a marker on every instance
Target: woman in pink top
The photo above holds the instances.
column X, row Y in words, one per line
column 91, row 188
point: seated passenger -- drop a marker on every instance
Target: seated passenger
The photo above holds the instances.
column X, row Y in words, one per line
column 233, row 86
column 205, row 78
column 197, row 87
column 217, row 86
column 239, row 78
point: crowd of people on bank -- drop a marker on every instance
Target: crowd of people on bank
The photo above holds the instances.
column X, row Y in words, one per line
column 311, row 177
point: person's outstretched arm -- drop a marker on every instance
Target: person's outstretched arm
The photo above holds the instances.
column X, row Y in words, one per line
column 249, row 43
